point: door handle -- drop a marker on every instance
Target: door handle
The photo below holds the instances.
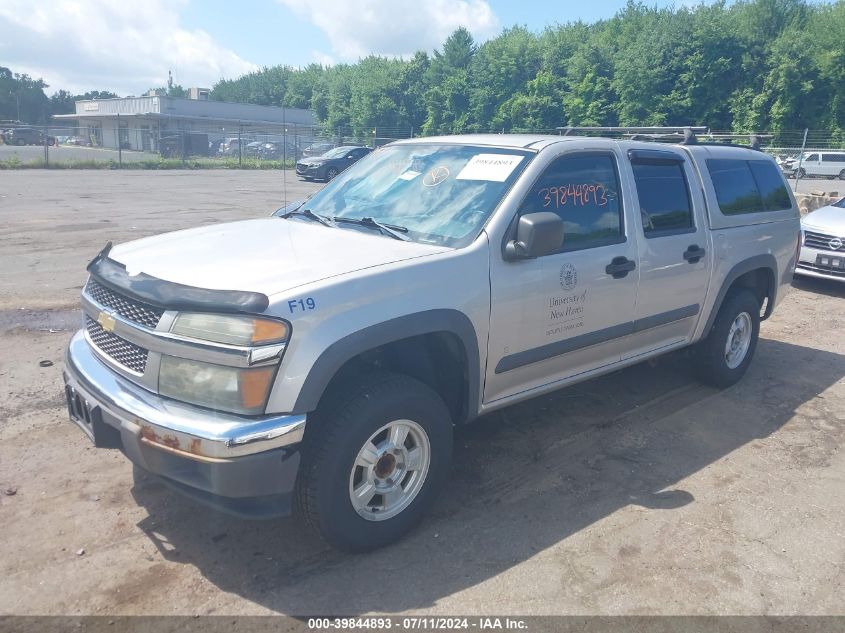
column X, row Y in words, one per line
column 620, row 266
column 693, row 254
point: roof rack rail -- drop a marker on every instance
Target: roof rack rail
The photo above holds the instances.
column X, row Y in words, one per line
column 754, row 139
column 688, row 132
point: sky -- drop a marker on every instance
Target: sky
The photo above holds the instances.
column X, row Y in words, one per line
column 128, row 46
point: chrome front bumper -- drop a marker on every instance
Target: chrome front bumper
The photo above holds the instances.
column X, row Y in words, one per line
column 808, row 267
column 164, row 424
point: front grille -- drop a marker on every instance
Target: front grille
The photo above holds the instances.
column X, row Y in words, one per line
column 121, row 351
column 130, row 309
column 818, row 268
column 821, row 241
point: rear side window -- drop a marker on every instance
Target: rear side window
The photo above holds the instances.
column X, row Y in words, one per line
column 583, row 189
column 770, row 184
column 664, row 198
column 744, row 186
column 833, row 158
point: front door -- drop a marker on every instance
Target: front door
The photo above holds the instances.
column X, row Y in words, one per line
column 564, row 314
column 674, row 255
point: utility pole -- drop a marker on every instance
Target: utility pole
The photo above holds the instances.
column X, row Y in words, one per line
column 119, row 144
column 801, row 159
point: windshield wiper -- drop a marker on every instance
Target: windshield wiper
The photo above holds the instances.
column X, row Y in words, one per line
column 393, row 230
column 308, row 213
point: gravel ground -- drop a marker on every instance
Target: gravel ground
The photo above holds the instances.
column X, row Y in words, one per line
column 642, row 492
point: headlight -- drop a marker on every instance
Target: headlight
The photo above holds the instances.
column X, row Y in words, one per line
column 215, row 386
column 230, row 329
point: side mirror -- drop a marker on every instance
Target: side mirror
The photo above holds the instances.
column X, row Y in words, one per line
column 537, row 234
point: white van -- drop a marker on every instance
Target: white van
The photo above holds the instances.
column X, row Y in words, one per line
column 823, row 164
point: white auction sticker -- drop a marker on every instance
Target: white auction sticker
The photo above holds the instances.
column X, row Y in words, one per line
column 496, row 167
column 409, row 175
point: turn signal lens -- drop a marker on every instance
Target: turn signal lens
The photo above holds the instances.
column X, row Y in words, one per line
column 254, row 385
column 265, row 331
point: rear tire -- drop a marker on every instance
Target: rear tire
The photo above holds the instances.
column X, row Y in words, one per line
column 375, row 457
column 724, row 356
column 842, row 175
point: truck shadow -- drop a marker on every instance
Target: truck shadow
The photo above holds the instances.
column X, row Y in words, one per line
column 524, row 479
column 827, row 287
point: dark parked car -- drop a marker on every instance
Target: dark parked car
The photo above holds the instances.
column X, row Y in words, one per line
column 317, row 149
column 182, row 144
column 26, row 136
column 331, row 163
column 278, row 150
column 229, row 146
column 252, row 149
column 79, row 141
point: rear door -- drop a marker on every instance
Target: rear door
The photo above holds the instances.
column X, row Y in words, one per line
column 674, row 253
column 558, row 316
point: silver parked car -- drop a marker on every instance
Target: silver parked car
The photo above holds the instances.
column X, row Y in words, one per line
column 823, row 243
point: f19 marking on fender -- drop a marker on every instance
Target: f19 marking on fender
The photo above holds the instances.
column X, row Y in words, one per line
column 302, row 305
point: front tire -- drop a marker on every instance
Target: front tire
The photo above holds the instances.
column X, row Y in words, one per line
column 374, row 460
column 331, row 174
column 842, row 175
column 724, row 356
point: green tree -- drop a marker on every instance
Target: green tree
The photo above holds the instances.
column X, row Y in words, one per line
column 501, row 69
column 262, row 87
column 448, row 97
column 22, row 98
column 751, row 65
column 300, row 86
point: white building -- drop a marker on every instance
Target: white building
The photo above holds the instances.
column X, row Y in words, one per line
column 141, row 122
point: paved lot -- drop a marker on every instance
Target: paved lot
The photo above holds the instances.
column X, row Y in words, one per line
column 642, row 492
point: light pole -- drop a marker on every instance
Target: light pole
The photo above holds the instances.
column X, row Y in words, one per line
column 17, row 96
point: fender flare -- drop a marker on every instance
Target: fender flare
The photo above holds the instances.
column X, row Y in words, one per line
column 427, row 322
column 766, row 261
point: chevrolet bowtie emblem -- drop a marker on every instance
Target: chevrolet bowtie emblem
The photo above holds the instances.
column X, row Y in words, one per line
column 106, row 321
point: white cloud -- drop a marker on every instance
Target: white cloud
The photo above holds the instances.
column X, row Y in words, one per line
column 323, row 58
column 357, row 28
column 125, row 46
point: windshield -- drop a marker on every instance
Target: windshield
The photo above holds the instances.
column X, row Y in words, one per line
column 337, row 152
column 442, row 194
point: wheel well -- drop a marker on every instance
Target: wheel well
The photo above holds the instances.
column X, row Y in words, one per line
column 437, row 359
column 761, row 282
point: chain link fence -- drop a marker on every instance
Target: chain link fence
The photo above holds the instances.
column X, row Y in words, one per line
column 126, row 142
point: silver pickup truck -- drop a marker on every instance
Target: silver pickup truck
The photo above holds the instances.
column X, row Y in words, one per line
column 318, row 359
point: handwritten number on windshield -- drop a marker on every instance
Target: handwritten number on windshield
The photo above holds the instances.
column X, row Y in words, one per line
column 576, row 194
